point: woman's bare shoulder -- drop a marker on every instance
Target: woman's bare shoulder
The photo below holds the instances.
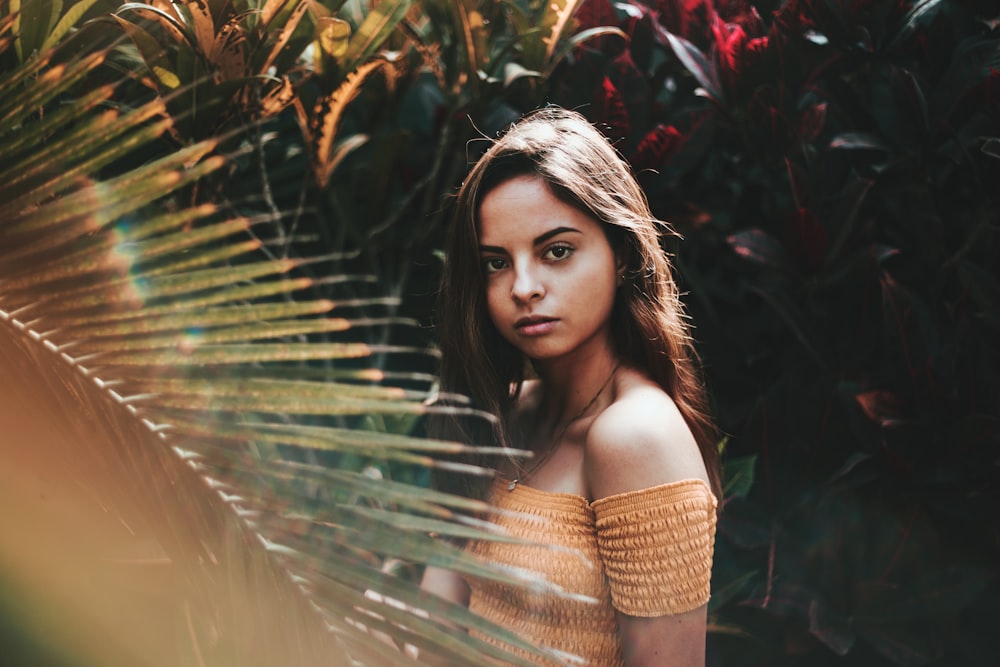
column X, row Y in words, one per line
column 640, row 440
column 641, row 410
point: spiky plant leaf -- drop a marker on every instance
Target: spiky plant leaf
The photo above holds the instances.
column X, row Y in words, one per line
column 156, row 390
column 285, row 35
column 229, row 50
column 202, row 24
column 542, row 32
column 327, row 115
column 556, row 21
column 221, row 63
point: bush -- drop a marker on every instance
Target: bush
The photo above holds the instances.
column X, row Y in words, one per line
column 832, row 167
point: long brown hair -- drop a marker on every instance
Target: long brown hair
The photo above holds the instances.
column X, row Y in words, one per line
column 649, row 325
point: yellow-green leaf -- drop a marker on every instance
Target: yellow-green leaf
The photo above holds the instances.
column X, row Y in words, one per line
column 333, row 35
column 67, row 22
column 373, row 31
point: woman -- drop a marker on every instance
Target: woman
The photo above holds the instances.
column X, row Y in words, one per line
column 554, row 269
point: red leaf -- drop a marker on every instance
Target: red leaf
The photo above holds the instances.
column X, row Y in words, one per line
column 656, row 147
column 691, row 19
column 795, row 16
column 757, row 49
column 993, row 89
column 609, row 111
column 882, row 407
column 751, row 22
column 742, row 52
column 595, row 14
column 811, row 123
column 765, row 114
column 798, row 180
column 731, row 41
column 807, row 238
column 758, row 246
column 598, row 14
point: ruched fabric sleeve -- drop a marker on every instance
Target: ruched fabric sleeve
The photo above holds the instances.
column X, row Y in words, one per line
column 657, row 546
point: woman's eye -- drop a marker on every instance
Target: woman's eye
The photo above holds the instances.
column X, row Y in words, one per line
column 493, row 264
column 559, row 252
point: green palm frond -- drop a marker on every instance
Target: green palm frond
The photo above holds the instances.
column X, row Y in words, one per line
column 184, row 433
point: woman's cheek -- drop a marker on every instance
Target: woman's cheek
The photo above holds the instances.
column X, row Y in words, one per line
column 493, row 306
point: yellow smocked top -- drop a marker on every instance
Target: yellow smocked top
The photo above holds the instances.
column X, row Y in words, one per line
column 644, row 553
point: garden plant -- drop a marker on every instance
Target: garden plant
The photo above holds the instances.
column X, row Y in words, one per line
column 220, row 233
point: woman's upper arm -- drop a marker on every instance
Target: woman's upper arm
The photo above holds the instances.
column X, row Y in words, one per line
column 631, row 449
column 450, row 586
column 445, row 584
column 677, row 640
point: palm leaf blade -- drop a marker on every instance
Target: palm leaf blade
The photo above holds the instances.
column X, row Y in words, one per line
column 189, row 396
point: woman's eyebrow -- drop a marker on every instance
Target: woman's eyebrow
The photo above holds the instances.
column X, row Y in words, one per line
column 542, row 238
column 539, row 240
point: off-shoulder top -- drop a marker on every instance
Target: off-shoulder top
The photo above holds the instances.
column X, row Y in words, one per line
column 643, row 553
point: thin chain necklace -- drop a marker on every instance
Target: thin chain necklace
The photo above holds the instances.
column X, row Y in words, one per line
column 555, row 442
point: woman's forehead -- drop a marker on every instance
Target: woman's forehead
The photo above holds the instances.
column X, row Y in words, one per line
column 525, row 210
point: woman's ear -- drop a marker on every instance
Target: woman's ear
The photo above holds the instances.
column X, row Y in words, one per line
column 621, row 265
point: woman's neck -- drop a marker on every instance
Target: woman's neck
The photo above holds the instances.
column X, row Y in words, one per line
column 568, row 389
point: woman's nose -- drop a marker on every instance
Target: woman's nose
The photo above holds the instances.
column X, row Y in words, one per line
column 527, row 284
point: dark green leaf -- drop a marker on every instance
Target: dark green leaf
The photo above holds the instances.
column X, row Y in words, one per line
column 991, row 147
column 37, row 17
column 984, row 289
column 831, row 627
column 696, row 63
column 721, row 594
column 859, row 141
column 758, row 246
column 738, row 475
column 901, row 646
column 918, row 11
column 576, row 40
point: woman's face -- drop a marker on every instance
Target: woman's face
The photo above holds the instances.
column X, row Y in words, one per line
column 551, row 274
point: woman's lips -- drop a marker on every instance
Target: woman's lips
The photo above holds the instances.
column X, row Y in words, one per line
column 535, row 326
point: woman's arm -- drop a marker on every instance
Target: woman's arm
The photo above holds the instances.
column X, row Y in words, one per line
column 445, row 584
column 638, row 443
column 448, row 585
column 678, row 639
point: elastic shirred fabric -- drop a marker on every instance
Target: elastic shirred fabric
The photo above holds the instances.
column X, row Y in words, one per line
column 657, row 546
column 573, row 626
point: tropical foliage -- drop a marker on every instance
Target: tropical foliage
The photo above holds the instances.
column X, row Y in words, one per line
column 220, row 227
column 201, row 417
column 831, row 167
